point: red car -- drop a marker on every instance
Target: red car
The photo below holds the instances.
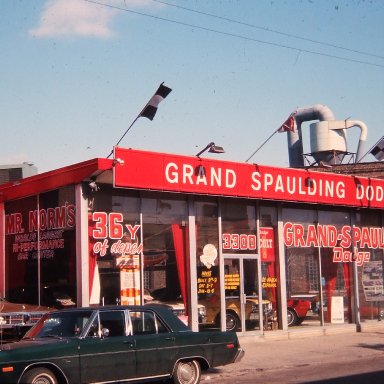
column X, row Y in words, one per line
column 297, row 310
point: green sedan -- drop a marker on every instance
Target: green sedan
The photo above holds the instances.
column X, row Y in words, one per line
column 114, row 345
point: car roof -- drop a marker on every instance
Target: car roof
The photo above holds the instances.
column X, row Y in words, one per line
column 163, row 311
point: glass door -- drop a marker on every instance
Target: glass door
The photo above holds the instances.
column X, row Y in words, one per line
column 241, row 281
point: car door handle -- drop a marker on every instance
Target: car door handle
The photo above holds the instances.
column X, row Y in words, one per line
column 130, row 344
column 170, row 338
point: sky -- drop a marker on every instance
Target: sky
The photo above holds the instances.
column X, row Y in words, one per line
column 75, row 74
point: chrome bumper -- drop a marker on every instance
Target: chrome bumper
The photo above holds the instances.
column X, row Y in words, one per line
column 239, row 355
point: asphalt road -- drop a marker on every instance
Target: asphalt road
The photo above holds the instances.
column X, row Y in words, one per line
column 341, row 358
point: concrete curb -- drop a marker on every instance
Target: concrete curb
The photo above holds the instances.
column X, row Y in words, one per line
column 328, row 330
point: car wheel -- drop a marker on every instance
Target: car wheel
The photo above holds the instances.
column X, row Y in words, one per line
column 187, row 372
column 232, row 321
column 38, row 376
column 300, row 320
column 291, row 317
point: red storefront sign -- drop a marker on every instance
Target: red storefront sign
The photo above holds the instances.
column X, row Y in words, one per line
column 267, row 244
column 175, row 173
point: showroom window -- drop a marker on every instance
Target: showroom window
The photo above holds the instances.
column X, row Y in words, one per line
column 336, row 272
column 114, row 247
column 269, row 256
column 166, row 250
column 207, row 260
column 301, row 265
column 370, row 273
column 40, row 249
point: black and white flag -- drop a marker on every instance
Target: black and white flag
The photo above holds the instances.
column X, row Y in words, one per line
column 378, row 150
column 149, row 111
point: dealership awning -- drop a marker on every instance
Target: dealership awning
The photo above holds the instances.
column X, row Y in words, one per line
column 43, row 182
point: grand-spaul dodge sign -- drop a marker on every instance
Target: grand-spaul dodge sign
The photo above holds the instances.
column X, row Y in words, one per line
column 175, row 173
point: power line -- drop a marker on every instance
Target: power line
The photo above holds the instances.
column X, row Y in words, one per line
column 268, row 29
column 235, row 35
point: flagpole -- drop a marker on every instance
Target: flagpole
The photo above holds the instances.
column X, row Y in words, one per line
column 369, row 151
column 149, row 109
column 122, row 137
column 257, row 150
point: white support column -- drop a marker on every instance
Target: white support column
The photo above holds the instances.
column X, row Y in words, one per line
column 82, row 254
column 193, row 302
column 2, row 250
column 223, row 306
column 356, row 299
column 282, row 273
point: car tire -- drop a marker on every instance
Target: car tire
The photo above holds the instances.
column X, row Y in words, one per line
column 39, row 376
column 232, row 321
column 187, row 372
column 291, row 317
column 300, row 320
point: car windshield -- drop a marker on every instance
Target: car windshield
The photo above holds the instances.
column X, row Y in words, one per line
column 60, row 324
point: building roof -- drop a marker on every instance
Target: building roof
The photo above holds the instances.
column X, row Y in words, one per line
column 340, row 185
column 375, row 169
column 58, row 178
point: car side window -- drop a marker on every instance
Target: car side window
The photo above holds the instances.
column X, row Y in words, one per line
column 65, row 325
column 146, row 322
column 114, row 322
column 108, row 324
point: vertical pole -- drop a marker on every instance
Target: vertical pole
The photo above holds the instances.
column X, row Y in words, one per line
column 38, row 251
column 259, row 274
column 2, row 250
column 141, row 256
column 193, row 302
column 356, row 299
column 282, row 272
column 82, row 254
column 223, row 303
column 321, row 294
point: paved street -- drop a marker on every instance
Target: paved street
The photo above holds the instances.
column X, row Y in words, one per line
column 307, row 357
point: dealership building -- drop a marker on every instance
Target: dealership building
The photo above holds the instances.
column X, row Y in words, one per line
column 209, row 238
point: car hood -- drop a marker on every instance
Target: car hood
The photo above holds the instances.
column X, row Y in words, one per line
column 6, row 306
column 256, row 300
column 229, row 299
column 175, row 305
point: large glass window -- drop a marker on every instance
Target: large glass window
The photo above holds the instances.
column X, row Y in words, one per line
column 336, row 272
column 239, row 227
column 371, row 271
column 269, row 256
column 115, row 247
column 21, row 252
column 40, row 245
column 302, row 266
column 166, row 250
column 207, row 260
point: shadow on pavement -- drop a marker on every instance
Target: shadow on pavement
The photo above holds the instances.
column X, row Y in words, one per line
column 362, row 378
column 378, row 347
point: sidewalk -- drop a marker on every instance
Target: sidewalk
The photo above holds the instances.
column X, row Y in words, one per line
column 299, row 348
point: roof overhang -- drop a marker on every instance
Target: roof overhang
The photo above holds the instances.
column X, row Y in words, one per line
column 47, row 181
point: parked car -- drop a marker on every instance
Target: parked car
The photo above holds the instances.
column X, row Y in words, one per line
column 54, row 296
column 174, row 301
column 16, row 319
column 297, row 310
column 209, row 310
column 114, row 344
column 232, row 315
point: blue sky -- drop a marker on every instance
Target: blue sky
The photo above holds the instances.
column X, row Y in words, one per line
column 75, row 74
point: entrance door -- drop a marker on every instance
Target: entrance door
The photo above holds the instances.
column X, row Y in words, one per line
column 242, row 287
